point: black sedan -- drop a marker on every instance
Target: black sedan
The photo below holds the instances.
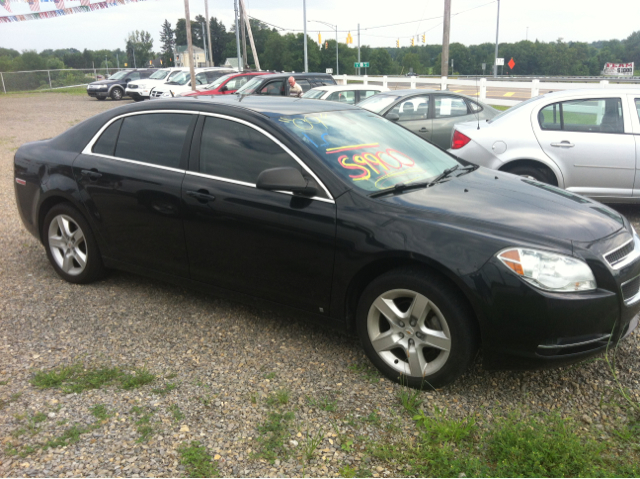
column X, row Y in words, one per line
column 343, row 216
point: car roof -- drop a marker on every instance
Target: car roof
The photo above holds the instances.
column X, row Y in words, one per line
column 298, row 75
column 592, row 91
column 267, row 105
column 416, row 91
column 350, row 87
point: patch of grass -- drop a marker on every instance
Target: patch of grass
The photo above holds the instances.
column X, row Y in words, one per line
column 165, row 390
column 366, row 371
column 325, row 403
column 100, row 412
column 272, row 435
column 410, row 399
column 13, row 398
column 76, row 379
column 139, row 378
column 349, row 471
column 270, row 375
column 280, row 397
column 175, row 411
column 18, row 432
column 311, row 443
column 439, row 429
column 197, row 461
column 27, row 451
column 254, row 398
column 136, row 410
column 56, row 377
column 70, row 436
column 372, row 418
column 171, row 376
column 145, row 429
column 39, row 417
column 501, row 107
column 4, row 383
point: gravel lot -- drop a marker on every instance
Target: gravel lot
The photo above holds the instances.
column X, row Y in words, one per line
column 225, row 359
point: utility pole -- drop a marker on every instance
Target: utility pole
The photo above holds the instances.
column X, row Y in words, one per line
column 495, row 62
column 358, row 48
column 206, row 13
column 444, row 64
column 235, row 6
column 106, row 65
column 253, row 45
column 243, row 34
column 118, row 61
column 304, row 19
column 133, row 47
column 204, row 45
column 189, row 45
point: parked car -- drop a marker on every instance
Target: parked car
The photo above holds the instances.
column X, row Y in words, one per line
column 225, row 85
column 115, row 86
column 411, row 74
column 181, row 83
column 351, row 94
column 580, row 140
column 140, row 90
column 430, row 114
column 276, row 84
column 342, row 216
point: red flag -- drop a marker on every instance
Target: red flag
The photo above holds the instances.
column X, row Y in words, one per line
column 34, row 5
column 59, row 4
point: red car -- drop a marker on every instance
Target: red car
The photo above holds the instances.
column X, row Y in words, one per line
column 226, row 84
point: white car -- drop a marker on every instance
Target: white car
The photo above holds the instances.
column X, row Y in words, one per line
column 350, row 94
column 182, row 82
column 586, row 141
column 140, row 89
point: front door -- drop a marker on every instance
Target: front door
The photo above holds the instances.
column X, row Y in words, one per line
column 130, row 181
column 266, row 244
column 587, row 140
column 414, row 115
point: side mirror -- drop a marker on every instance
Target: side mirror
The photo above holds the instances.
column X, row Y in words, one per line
column 223, row 88
column 286, row 179
column 127, row 80
column 392, row 116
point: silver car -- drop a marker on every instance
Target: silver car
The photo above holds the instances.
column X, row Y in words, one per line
column 586, row 141
column 430, row 114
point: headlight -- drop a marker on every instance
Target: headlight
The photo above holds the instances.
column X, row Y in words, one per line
column 549, row 271
column 142, row 86
column 97, row 86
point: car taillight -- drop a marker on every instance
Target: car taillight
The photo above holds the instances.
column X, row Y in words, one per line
column 459, row 140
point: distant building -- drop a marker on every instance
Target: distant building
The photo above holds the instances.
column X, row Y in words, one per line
column 182, row 56
column 232, row 62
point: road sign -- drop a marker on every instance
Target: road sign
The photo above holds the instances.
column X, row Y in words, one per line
column 500, row 61
column 484, row 66
column 511, row 63
column 361, row 65
column 330, row 71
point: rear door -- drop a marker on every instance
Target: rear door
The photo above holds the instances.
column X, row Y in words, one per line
column 447, row 111
column 634, row 114
column 586, row 138
column 130, row 182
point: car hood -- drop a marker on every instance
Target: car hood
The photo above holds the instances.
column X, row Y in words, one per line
column 106, row 82
column 501, row 203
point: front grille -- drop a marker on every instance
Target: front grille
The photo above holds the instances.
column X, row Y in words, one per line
column 620, row 254
column 155, row 94
column 631, row 288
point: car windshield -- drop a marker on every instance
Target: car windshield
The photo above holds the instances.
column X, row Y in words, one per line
column 513, row 108
column 377, row 103
column 120, row 75
column 182, row 78
column 250, row 87
column 367, row 151
column 219, row 81
column 159, row 75
column 314, row 93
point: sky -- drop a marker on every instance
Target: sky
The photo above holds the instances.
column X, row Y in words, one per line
column 472, row 22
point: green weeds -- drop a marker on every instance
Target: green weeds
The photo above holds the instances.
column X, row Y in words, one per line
column 100, row 412
column 324, row 403
column 143, row 423
column 272, row 435
column 175, row 411
column 76, row 379
column 197, row 461
column 165, row 390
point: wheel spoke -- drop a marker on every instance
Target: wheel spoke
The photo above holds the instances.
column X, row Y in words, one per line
column 77, row 236
column 388, row 309
column 386, row 341
column 80, row 257
column 57, row 242
column 417, row 363
column 436, row 339
column 419, row 309
column 63, row 225
column 67, row 263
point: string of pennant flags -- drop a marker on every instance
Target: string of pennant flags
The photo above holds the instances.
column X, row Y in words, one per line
column 61, row 10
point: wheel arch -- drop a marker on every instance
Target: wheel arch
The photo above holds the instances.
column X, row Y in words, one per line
column 48, row 203
column 550, row 167
column 379, row 267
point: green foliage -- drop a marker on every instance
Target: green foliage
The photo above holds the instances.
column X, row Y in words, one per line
column 165, row 390
column 175, row 411
column 139, row 378
column 348, row 471
column 70, row 436
column 99, row 411
column 325, row 403
column 197, row 461
column 272, row 435
column 280, row 397
column 76, row 379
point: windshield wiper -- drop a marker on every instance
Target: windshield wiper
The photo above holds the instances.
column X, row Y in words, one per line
column 400, row 187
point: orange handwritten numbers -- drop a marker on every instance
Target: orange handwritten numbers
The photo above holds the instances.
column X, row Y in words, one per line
column 365, row 175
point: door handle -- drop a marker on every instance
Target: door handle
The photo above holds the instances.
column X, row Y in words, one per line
column 423, row 130
column 92, row 174
column 202, row 196
column 563, row 144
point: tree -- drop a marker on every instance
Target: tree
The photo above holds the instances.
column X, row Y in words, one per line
column 139, row 47
column 167, row 48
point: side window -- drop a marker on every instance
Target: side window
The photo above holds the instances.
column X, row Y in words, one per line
column 273, row 88
column 415, row 108
column 235, row 151
column 155, row 138
column 201, row 79
column 638, row 107
column 449, row 106
column 145, row 74
column 592, row 115
column 474, row 107
column 348, row 97
column 304, row 84
column 106, row 144
column 134, row 76
column 367, row 93
column 549, row 117
column 236, row 83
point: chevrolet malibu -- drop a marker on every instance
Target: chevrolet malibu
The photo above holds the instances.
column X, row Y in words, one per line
column 344, row 217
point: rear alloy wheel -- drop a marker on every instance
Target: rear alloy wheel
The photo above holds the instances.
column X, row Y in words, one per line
column 532, row 173
column 415, row 329
column 116, row 94
column 70, row 245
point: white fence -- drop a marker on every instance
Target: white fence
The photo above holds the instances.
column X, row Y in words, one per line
column 482, row 84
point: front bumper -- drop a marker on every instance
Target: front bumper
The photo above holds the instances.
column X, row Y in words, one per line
column 137, row 94
column 527, row 328
column 103, row 93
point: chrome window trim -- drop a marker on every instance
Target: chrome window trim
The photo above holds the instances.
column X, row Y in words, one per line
column 631, row 257
column 141, row 163
column 281, row 145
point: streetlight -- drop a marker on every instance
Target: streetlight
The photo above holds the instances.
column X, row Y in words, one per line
column 336, row 27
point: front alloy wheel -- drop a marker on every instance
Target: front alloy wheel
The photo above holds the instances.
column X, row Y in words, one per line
column 417, row 328
column 116, row 94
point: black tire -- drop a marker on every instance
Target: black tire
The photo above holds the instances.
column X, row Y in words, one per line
column 449, row 316
column 101, row 98
column 532, row 172
column 85, row 248
column 116, row 94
